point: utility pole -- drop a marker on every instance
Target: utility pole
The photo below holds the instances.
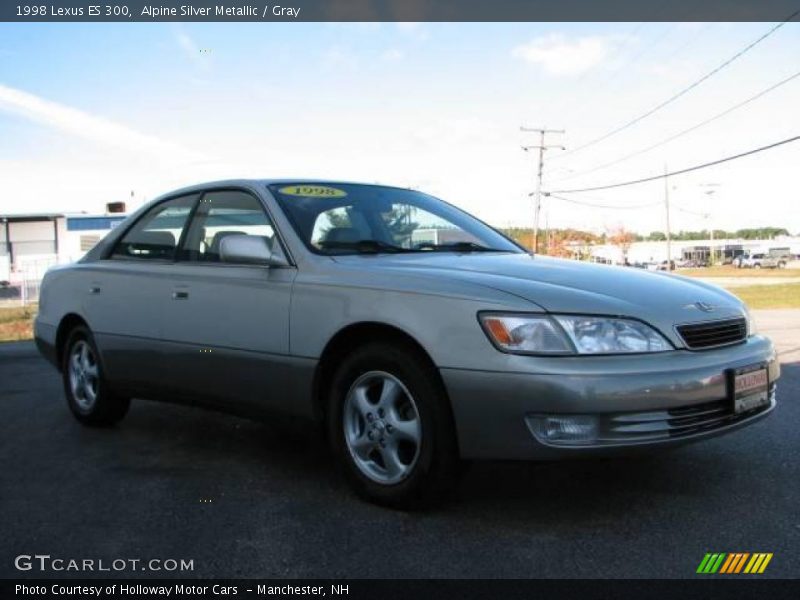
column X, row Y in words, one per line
column 713, row 250
column 547, row 231
column 710, row 193
column 666, row 206
column 541, row 147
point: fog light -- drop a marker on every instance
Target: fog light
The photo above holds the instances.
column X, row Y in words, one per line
column 564, row 430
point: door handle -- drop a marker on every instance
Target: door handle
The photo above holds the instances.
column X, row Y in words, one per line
column 179, row 295
column 95, row 289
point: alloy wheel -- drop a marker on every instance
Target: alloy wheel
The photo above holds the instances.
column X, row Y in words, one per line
column 83, row 375
column 382, row 427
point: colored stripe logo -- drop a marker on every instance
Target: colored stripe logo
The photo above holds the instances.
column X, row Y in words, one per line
column 730, row 563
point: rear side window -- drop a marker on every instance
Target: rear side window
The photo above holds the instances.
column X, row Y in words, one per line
column 155, row 236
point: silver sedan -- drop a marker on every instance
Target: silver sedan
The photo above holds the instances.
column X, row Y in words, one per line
column 415, row 333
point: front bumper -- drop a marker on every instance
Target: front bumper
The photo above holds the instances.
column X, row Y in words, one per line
column 639, row 401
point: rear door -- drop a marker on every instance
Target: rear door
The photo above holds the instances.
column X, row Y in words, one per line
column 226, row 326
column 125, row 291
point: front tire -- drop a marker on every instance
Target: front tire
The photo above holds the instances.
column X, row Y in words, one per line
column 390, row 427
column 88, row 394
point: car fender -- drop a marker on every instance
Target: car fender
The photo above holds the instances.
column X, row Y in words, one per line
column 443, row 322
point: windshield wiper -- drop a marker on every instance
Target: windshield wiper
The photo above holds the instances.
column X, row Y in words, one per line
column 364, row 246
column 463, row 247
column 378, row 247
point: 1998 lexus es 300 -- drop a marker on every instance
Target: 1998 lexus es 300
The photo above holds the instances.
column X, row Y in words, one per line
column 415, row 333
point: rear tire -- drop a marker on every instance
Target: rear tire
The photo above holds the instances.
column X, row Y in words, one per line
column 88, row 394
column 390, row 427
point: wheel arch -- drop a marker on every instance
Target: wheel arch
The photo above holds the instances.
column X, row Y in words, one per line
column 349, row 338
column 65, row 326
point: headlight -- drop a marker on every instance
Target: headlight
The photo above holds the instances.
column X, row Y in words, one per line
column 570, row 334
column 602, row 335
column 526, row 334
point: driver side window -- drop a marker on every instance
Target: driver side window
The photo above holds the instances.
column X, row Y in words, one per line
column 223, row 214
column 155, row 236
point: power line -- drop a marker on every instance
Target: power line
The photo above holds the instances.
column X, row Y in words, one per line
column 594, row 205
column 589, row 99
column 628, row 39
column 685, row 131
column 681, row 172
column 690, row 212
column 694, row 37
column 684, row 91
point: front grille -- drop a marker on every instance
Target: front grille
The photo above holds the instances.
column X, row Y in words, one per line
column 674, row 423
column 710, row 334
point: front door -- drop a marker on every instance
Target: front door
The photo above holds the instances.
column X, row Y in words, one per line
column 226, row 325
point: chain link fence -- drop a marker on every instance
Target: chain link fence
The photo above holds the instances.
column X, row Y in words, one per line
column 23, row 285
column 20, row 293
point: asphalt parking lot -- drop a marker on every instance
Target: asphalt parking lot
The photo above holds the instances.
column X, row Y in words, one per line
column 246, row 499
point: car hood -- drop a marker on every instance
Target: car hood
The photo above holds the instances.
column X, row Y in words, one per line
column 570, row 286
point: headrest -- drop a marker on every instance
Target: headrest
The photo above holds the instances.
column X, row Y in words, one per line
column 342, row 234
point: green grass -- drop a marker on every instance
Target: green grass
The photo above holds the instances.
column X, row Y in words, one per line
column 16, row 323
column 730, row 271
column 783, row 295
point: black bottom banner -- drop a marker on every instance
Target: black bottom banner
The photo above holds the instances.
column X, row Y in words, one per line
column 390, row 589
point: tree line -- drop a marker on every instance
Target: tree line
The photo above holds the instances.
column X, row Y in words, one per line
column 524, row 235
column 756, row 233
column 572, row 242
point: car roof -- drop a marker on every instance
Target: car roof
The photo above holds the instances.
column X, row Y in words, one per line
column 265, row 182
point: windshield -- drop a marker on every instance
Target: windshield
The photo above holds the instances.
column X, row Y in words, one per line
column 355, row 218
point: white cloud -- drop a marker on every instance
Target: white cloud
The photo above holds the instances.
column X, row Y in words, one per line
column 453, row 131
column 560, row 55
column 414, row 30
column 189, row 47
column 357, row 26
column 392, row 54
column 187, row 43
column 91, row 127
column 673, row 71
column 339, row 57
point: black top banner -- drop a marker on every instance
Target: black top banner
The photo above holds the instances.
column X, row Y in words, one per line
column 397, row 10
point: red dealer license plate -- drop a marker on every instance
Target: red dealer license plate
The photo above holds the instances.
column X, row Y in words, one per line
column 750, row 389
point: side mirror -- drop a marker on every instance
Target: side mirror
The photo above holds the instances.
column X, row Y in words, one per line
column 248, row 250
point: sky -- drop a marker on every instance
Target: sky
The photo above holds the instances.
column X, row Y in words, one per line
column 91, row 113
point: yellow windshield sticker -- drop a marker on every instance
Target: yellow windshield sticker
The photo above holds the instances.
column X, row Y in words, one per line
column 312, row 191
